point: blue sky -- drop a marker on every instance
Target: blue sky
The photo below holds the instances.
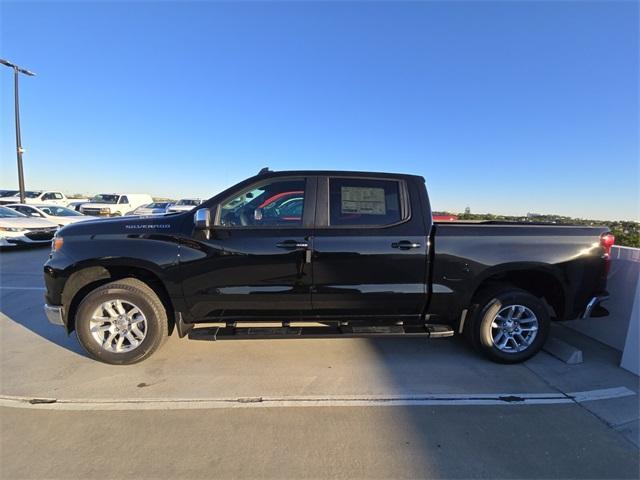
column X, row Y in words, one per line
column 507, row 107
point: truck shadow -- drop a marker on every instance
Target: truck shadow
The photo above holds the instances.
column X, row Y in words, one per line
column 24, row 309
column 21, row 299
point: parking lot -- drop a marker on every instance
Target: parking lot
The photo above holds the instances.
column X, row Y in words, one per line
column 292, row 408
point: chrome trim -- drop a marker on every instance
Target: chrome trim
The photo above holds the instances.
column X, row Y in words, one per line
column 463, row 317
column 592, row 304
column 54, row 314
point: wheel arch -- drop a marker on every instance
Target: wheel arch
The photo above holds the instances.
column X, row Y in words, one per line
column 539, row 280
column 87, row 278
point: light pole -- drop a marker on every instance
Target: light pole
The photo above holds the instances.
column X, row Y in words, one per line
column 16, row 72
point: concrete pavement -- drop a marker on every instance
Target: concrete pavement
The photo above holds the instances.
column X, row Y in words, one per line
column 594, row 438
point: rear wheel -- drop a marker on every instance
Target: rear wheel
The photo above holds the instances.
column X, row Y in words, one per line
column 509, row 326
column 121, row 322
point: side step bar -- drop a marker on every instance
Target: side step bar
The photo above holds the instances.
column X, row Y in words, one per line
column 229, row 332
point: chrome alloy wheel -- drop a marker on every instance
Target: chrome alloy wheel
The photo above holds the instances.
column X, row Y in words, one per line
column 514, row 328
column 118, row 326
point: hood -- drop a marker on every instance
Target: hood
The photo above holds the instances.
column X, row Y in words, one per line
column 133, row 225
column 181, row 208
column 26, row 222
column 7, row 200
column 145, row 210
column 74, row 219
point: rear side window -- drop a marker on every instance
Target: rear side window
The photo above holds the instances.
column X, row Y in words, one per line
column 361, row 202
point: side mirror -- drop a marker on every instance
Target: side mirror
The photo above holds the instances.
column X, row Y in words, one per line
column 202, row 219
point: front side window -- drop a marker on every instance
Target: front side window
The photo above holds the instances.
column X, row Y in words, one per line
column 274, row 203
column 6, row 212
column 359, row 202
column 28, row 211
column 188, row 202
column 105, row 199
column 123, row 199
column 59, row 211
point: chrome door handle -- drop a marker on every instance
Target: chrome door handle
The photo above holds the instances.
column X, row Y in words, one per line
column 292, row 244
column 405, row 245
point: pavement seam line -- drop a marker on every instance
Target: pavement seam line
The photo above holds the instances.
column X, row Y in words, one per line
column 580, row 404
column 327, row 401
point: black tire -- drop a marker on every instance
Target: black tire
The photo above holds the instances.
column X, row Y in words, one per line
column 145, row 299
column 487, row 305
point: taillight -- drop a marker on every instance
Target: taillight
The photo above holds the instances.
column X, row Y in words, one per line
column 606, row 242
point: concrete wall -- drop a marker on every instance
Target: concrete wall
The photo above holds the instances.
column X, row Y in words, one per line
column 620, row 329
column 631, row 353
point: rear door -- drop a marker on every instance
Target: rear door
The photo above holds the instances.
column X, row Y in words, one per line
column 370, row 248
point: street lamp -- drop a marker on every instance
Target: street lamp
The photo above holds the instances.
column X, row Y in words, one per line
column 16, row 71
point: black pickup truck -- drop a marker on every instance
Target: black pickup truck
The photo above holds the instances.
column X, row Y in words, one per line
column 318, row 253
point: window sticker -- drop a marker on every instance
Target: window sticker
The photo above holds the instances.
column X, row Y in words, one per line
column 363, row 200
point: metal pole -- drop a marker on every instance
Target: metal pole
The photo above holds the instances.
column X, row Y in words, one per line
column 18, row 138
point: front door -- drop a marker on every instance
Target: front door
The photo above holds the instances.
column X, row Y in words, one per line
column 370, row 249
column 256, row 261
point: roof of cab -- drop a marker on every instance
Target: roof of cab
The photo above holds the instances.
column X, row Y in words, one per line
column 265, row 172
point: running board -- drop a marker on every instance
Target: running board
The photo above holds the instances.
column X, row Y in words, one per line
column 231, row 332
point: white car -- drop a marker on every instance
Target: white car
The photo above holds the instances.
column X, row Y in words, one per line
column 17, row 229
column 184, row 205
column 37, row 197
column 115, row 204
column 155, row 208
column 54, row 213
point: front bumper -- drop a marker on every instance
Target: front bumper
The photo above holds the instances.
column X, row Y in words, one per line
column 13, row 239
column 54, row 314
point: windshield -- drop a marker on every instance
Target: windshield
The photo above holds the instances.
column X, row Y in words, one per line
column 189, row 202
column 8, row 193
column 105, row 198
column 56, row 211
column 157, row 205
column 8, row 213
column 33, row 194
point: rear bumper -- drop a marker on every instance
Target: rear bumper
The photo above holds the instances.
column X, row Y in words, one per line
column 54, row 314
column 594, row 307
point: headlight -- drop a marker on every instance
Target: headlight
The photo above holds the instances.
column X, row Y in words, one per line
column 10, row 229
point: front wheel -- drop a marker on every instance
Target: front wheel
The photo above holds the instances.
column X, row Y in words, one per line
column 510, row 325
column 121, row 322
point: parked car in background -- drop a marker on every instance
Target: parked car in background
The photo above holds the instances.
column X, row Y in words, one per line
column 8, row 193
column 155, row 208
column 115, row 204
column 76, row 204
column 184, row 205
column 18, row 229
column 37, row 197
column 54, row 213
